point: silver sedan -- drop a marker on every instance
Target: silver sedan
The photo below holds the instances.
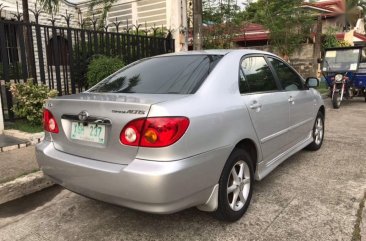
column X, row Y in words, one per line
column 181, row 130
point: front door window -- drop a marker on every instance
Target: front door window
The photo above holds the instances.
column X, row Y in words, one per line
column 289, row 79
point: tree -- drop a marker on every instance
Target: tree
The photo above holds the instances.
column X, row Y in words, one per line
column 221, row 21
column 329, row 40
column 289, row 25
column 51, row 6
column 220, row 11
column 100, row 7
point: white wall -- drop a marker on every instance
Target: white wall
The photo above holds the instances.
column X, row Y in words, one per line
column 141, row 12
column 11, row 8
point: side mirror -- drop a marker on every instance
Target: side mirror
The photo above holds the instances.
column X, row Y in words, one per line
column 312, row 82
column 320, row 60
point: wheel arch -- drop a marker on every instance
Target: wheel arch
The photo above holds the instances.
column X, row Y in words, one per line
column 252, row 149
column 322, row 110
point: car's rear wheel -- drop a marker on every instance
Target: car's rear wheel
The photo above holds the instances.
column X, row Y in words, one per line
column 318, row 133
column 235, row 187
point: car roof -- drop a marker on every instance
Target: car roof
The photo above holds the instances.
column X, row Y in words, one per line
column 219, row 52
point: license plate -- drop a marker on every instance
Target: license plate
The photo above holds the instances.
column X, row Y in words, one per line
column 90, row 132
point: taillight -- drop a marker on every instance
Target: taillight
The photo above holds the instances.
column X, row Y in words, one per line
column 130, row 134
column 154, row 131
column 49, row 122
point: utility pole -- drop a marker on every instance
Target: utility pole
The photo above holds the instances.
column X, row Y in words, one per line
column 318, row 43
column 197, row 24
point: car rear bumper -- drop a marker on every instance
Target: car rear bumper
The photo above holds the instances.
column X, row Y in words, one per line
column 151, row 186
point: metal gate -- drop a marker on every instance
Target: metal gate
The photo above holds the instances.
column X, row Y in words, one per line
column 59, row 56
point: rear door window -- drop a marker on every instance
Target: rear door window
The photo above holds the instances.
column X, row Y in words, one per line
column 177, row 74
column 256, row 76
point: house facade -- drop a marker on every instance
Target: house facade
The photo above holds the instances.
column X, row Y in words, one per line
column 333, row 18
column 171, row 14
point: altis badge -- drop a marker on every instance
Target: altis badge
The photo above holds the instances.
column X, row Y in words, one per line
column 136, row 112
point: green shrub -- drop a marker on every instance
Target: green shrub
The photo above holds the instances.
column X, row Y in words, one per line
column 29, row 100
column 101, row 67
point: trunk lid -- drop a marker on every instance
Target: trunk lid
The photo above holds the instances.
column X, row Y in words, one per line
column 106, row 114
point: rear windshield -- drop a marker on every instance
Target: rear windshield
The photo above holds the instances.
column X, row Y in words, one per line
column 178, row 74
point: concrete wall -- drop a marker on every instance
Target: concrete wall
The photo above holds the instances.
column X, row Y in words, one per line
column 149, row 13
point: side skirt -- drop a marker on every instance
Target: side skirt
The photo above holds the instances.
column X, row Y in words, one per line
column 264, row 169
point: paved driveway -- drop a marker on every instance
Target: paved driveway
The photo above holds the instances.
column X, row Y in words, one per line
column 312, row 196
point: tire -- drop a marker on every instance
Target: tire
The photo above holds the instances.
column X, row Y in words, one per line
column 318, row 133
column 336, row 100
column 230, row 187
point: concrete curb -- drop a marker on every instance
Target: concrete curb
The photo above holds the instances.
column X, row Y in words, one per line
column 23, row 186
column 14, row 147
column 31, row 138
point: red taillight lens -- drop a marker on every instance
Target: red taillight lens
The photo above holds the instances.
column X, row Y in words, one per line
column 130, row 134
column 49, row 122
column 154, row 131
column 160, row 132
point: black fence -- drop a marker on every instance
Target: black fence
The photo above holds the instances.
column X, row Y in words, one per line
column 59, row 56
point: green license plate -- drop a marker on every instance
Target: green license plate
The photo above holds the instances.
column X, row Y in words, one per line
column 90, row 132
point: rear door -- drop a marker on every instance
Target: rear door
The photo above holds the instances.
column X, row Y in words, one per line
column 300, row 99
column 267, row 105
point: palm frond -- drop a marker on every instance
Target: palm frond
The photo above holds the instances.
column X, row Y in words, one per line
column 51, row 6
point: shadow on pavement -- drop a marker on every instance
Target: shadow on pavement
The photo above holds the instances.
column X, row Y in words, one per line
column 28, row 203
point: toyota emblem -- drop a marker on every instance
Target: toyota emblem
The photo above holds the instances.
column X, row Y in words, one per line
column 83, row 115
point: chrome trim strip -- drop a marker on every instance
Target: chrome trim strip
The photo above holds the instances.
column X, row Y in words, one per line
column 288, row 151
column 90, row 119
column 301, row 123
column 270, row 137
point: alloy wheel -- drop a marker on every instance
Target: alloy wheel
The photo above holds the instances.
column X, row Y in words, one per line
column 238, row 185
column 318, row 131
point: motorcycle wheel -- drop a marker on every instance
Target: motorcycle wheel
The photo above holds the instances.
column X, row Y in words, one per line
column 336, row 100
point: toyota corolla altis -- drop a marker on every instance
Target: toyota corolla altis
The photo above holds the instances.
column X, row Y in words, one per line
column 181, row 130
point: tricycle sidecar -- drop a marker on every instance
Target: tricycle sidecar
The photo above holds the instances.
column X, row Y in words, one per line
column 345, row 72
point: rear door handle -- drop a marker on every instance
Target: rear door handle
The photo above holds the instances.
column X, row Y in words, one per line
column 291, row 100
column 255, row 105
